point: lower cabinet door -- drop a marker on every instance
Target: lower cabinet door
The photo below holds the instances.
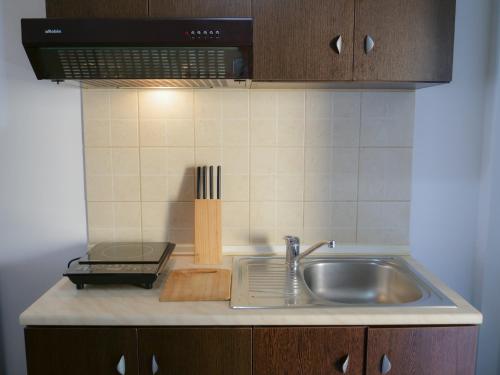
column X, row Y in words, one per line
column 195, row 351
column 308, row 350
column 422, row 350
column 81, row 351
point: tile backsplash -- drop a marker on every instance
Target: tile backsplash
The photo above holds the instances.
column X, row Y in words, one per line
column 314, row 163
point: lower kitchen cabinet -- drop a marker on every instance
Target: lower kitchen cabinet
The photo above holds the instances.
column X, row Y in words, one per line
column 186, row 351
column 81, row 351
column 308, row 350
column 422, row 350
column 448, row 350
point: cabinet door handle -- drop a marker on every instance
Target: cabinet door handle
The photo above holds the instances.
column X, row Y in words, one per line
column 154, row 365
column 337, row 44
column 120, row 367
column 345, row 364
column 385, row 364
column 369, row 44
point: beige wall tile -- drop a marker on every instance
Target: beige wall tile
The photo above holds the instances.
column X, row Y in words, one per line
column 383, row 222
column 124, row 104
column 291, row 104
column 180, row 188
column 262, row 161
column 263, row 188
column 346, row 104
column 152, row 132
column 346, row 132
column 318, row 104
column 154, row 188
column 263, row 132
column 319, row 132
column 99, row 188
column 180, row 161
column 263, row 104
column 235, row 214
column 385, row 174
column 126, row 188
column 171, row 104
column 208, row 133
column 124, row 133
column 236, row 160
column 290, row 132
column 318, row 160
column 235, row 132
column 235, row 187
column 154, row 161
column 125, row 162
column 290, row 188
column 344, row 175
column 95, row 104
column 235, row 104
column 290, row 162
column 387, row 119
column 96, row 133
column 179, row 133
column 98, row 161
column 208, row 104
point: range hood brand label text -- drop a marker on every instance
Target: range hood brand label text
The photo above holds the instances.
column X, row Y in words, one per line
column 53, row 31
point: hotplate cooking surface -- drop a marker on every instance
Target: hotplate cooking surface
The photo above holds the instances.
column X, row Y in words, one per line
column 125, row 253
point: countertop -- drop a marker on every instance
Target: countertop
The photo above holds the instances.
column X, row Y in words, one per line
column 64, row 305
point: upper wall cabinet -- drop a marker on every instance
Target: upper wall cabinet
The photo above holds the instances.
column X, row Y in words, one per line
column 303, row 40
column 200, row 8
column 96, row 8
column 404, row 40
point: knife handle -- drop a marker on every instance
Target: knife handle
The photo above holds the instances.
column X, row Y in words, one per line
column 211, row 174
column 198, row 182
column 219, row 181
column 204, row 173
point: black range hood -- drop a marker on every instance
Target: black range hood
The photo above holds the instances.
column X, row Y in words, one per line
column 140, row 52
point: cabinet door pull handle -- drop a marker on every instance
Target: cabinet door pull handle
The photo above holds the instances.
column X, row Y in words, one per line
column 345, row 364
column 337, row 44
column 120, row 367
column 369, row 44
column 154, row 365
column 385, row 365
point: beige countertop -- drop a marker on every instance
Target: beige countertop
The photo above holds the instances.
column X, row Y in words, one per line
column 64, row 305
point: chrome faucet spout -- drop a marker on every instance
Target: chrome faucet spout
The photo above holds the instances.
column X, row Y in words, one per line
column 293, row 255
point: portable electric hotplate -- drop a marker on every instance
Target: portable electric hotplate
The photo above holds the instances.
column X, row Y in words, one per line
column 137, row 263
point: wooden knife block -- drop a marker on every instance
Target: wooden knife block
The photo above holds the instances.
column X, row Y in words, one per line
column 207, row 231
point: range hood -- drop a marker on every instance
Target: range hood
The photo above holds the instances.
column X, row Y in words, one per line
column 146, row 52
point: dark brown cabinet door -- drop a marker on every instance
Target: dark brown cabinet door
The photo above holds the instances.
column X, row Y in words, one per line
column 422, row 350
column 80, row 351
column 308, row 350
column 96, row 8
column 294, row 40
column 413, row 40
column 200, row 8
column 194, row 351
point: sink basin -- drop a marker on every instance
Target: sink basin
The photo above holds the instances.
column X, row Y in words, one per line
column 334, row 281
column 360, row 282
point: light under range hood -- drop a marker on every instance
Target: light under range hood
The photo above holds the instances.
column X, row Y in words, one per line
column 146, row 52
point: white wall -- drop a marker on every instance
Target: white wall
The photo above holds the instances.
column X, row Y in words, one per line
column 488, row 262
column 447, row 156
column 42, row 210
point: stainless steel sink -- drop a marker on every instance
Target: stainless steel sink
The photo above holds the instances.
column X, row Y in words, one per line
column 266, row 282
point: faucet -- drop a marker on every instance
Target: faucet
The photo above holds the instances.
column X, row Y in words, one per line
column 293, row 255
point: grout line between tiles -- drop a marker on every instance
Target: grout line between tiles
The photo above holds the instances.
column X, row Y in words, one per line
column 140, row 163
column 359, row 163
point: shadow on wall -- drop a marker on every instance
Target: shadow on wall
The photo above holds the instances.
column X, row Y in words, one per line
column 33, row 277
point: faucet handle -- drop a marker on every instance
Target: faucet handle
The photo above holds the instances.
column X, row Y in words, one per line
column 292, row 240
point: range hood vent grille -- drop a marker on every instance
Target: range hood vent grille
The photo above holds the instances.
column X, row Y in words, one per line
column 142, row 63
column 164, row 83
